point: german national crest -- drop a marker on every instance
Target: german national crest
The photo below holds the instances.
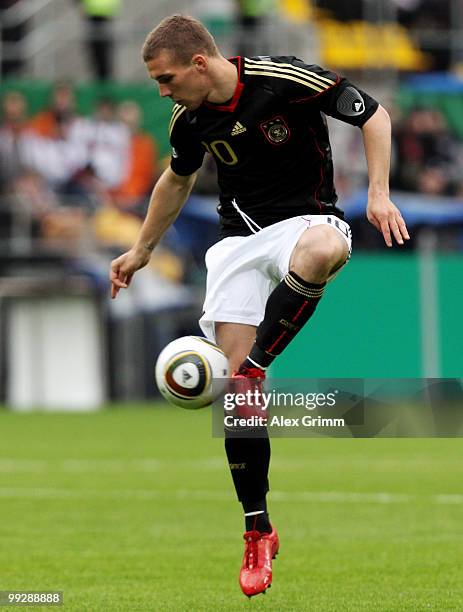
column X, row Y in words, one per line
column 276, row 131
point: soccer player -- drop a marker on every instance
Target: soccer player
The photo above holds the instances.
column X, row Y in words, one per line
column 282, row 235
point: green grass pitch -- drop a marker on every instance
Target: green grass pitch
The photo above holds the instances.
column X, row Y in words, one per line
column 133, row 509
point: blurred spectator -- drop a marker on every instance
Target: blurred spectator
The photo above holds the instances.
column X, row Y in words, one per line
column 56, row 159
column 116, row 229
column 33, row 195
column 426, row 154
column 55, row 121
column 83, row 157
column 22, row 206
column 41, row 144
column 142, row 164
column 13, row 124
column 106, row 140
column 255, row 26
column 85, row 190
column 406, row 11
column 433, row 180
column 342, row 11
column 99, row 15
column 12, row 34
column 32, row 210
column 430, row 23
column 14, row 112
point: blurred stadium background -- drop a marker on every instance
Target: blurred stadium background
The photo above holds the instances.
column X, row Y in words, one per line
column 117, row 507
column 83, row 138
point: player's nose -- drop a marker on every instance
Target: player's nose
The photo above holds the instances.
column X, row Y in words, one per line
column 164, row 91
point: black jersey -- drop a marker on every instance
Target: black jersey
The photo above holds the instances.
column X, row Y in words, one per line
column 270, row 141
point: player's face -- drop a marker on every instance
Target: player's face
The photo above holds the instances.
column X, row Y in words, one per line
column 184, row 84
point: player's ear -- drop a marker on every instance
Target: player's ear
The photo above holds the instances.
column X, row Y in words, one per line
column 199, row 62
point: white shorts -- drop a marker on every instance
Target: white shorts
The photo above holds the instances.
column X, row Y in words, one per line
column 242, row 271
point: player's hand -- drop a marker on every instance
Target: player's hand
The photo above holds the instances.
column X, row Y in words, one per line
column 386, row 217
column 124, row 267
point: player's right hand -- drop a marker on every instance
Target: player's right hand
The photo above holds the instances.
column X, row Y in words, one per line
column 124, row 267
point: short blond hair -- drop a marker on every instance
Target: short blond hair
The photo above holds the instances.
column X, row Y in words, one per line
column 182, row 36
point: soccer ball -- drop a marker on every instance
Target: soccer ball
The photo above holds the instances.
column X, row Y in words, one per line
column 191, row 372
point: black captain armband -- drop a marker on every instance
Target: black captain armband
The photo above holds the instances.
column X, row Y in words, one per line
column 350, row 103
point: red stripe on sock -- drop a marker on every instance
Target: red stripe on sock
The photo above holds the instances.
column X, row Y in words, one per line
column 300, row 310
column 276, row 342
column 282, row 335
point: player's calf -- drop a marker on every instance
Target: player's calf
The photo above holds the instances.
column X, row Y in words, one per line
column 235, row 340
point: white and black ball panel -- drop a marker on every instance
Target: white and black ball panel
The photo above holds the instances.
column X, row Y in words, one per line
column 189, row 372
column 187, row 376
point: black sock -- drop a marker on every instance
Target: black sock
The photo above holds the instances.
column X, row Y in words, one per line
column 288, row 308
column 249, row 460
column 256, row 516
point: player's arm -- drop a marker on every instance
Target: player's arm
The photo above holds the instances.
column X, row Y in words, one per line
column 167, row 199
column 381, row 212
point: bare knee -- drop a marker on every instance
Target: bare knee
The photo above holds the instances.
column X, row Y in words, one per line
column 319, row 251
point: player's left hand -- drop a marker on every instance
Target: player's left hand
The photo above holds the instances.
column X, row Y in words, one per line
column 386, row 217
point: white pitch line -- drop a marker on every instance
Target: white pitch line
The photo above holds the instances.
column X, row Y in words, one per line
column 333, row 497
column 107, row 465
column 449, row 499
column 344, row 497
column 214, row 463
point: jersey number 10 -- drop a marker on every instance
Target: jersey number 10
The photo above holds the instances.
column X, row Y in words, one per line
column 222, row 151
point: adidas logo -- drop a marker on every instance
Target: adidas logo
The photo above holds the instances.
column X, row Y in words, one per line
column 238, row 129
column 185, row 376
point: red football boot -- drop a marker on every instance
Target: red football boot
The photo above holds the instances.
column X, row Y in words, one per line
column 256, row 570
column 249, row 382
column 275, row 542
column 249, row 373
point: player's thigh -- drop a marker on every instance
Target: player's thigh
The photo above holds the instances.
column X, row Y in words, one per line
column 238, row 284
